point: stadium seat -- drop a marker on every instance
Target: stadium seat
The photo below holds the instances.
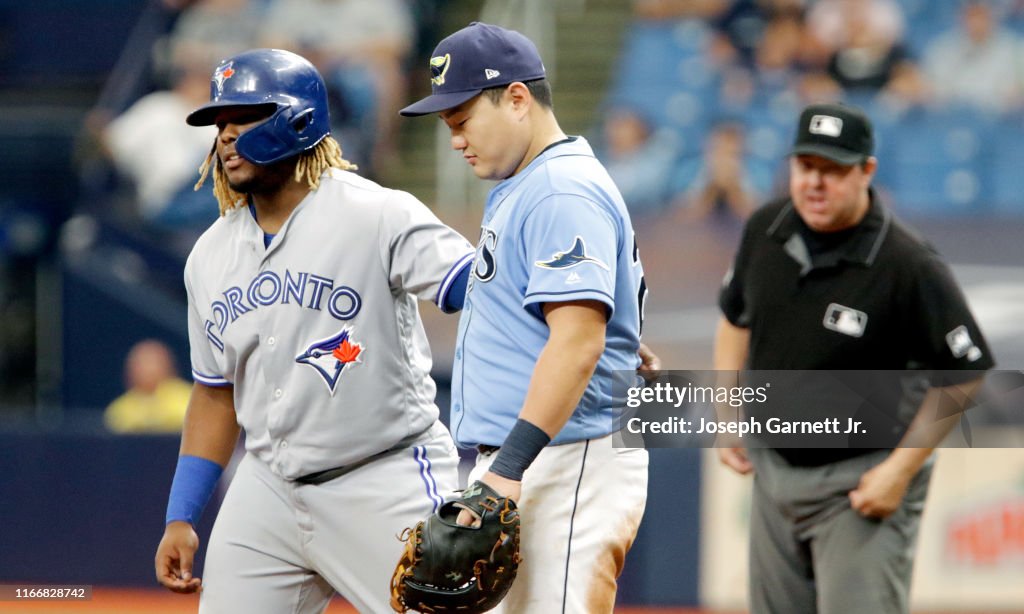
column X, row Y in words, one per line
column 939, row 162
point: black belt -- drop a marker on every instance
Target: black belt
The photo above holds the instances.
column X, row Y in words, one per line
column 485, row 449
column 319, row 477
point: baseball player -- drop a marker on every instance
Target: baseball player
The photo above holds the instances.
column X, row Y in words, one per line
column 554, row 306
column 305, row 332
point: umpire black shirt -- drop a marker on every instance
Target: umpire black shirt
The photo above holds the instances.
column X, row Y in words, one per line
column 875, row 297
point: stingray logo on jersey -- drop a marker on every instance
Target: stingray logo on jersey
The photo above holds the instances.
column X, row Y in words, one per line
column 485, row 265
column 575, row 255
column 222, row 74
column 329, row 357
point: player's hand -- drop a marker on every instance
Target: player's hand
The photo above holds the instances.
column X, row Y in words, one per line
column 174, row 558
column 880, row 491
column 650, row 364
column 735, row 459
column 503, row 486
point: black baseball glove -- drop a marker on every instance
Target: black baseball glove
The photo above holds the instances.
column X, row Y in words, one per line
column 451, row 568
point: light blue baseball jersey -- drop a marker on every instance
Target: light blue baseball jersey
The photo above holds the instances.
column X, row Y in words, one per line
column 556, row 231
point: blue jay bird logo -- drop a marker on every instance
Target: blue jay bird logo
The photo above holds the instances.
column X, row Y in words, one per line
column 577, row 254
column 222, row 74
column 330, row 356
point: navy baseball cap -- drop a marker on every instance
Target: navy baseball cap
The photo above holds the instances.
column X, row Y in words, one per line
column 477, row 57
column 838, row 132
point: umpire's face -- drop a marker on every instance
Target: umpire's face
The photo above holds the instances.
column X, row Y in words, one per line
column 827, row 195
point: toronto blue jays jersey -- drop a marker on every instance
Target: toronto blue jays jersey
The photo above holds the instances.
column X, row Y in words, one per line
column 556, row 231
column 320, row 332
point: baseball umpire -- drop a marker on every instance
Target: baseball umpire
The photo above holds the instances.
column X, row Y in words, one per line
column 828, row 279
column 305, row 331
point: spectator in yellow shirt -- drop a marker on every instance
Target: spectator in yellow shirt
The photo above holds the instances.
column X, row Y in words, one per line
column 156, row 398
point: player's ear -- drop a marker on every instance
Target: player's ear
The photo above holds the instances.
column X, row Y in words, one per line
column 519, row 96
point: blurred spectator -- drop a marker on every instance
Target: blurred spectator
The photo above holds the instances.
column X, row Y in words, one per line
column 211, row 30
column 639, row 161
column 151, row 146
column 867, row 56
column 777, row 58
column 743, row 26
column 829, row 22
column 360, row 47
column 780, row 66
column 679, row 9
column 156, row 398
column 976, row 64
column 724, row 183
column 818, row 87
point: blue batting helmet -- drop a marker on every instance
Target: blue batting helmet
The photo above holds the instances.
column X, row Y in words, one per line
column 284, row 83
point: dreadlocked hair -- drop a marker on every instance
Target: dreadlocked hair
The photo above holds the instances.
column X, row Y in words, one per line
column 309, row 167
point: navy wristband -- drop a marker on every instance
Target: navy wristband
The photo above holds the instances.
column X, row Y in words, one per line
column 194, row 480
column 455, row 298
column 523, row 443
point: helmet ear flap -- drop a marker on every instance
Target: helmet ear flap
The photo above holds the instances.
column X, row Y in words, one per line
column 301, row 121
column 281, row 136
column 268, row 142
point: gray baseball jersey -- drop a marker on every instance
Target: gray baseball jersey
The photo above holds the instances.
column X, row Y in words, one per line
column 319, row 332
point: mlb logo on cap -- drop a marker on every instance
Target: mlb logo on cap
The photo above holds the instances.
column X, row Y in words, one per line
column 827, row 125
column 838, row 132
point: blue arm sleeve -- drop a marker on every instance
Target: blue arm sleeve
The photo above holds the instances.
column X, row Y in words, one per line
column 456, row 297
column 194, row 481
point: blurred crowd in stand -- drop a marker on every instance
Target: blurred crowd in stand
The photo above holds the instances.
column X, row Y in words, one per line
column 695, row 123
column 149, row 157
column 729, row 73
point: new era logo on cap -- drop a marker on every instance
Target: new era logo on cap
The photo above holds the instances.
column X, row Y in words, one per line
column 827, row 125
column 490, row 73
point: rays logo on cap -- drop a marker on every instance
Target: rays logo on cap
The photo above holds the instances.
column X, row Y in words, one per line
column 438, row 67
column 329, row 357
column 826, row 124
column 222, row 74
column 577, row 254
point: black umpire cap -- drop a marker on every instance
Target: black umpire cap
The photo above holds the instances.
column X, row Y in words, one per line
column 838, row 132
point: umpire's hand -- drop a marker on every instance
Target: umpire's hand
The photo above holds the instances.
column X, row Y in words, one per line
column 174, row 558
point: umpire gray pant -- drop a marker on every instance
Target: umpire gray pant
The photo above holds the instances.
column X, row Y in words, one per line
column 810, row 552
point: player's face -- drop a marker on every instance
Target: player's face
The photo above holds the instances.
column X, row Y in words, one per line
column 827, row 195
column 243, row 176
column 490, row 136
